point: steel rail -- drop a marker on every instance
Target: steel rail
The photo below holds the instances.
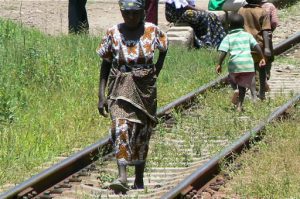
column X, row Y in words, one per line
column 207, row 171
column 189, row 96
column 82, row 159
column 286, row 44
column 48, row 177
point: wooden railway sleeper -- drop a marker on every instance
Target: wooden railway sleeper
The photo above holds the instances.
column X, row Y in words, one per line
column 25, row 192
column 75, row 179
column 56, row 191
column 65, row 185
column 44, row 197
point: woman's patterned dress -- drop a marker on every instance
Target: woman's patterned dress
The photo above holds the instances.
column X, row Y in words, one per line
column 132, row 90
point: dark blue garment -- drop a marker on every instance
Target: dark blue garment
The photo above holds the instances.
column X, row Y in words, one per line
column 78, row 20
column 208, row 28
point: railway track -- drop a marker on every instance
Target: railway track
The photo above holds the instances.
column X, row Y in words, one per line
column 84, row 174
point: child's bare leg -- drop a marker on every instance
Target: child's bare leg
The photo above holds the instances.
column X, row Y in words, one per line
column 234, row 98
column 233, row 85
column 242, row 93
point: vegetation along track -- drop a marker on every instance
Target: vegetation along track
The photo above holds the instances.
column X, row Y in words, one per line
column 204, row 182
column 179, row 147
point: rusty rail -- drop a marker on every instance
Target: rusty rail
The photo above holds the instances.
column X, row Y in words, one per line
column 287, row 44
column 201, row 176
column 209, row 169
column 62, row 170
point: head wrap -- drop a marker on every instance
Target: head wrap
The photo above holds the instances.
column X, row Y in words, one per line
column 131, row 4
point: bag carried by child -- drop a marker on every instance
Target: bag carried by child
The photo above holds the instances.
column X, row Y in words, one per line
column 226, row 5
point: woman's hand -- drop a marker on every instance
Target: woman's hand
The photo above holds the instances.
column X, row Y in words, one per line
column 103, row 107
column 267, row 52
column 104, row 73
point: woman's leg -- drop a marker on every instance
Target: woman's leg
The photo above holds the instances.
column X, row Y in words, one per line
column 262, row 82
column 83, row 18
column 139, row 176
column 122, row 173
column 120, row 185
column 253, row 89
column 140, row 146
column 73, row 16
column 131, row 142
column 119, row 134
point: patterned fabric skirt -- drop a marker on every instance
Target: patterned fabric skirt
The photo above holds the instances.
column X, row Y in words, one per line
column 208, row 28
column 130, row 141
column 242, row 79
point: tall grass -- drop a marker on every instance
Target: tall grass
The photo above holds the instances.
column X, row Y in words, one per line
column 271, row 168
column 214, row 119
column 48, row 94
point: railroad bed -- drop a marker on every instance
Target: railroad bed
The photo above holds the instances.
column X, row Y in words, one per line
column 285, row 79
column 181, row 155
column 167, row 170
column 175, row 153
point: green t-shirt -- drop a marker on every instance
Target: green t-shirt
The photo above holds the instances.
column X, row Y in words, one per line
column 238, row 44
column 214, row 5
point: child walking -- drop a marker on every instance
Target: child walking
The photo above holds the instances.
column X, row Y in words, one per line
column 272, row 12
column 238, row 44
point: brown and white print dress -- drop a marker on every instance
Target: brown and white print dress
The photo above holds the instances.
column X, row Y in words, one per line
column 132, row 97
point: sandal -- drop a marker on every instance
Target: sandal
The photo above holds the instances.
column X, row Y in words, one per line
column 119, row 186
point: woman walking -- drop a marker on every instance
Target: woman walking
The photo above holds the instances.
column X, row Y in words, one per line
column 127, row 69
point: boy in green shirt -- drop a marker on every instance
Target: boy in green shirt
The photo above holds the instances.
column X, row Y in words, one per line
column 239, row 44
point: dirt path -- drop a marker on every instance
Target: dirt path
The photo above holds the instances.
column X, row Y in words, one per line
column 51, row 17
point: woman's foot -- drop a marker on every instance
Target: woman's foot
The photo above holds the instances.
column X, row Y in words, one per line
column 138, row 185
column 119, row 186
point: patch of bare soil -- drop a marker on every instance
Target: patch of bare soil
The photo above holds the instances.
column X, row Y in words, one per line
column 51, row 17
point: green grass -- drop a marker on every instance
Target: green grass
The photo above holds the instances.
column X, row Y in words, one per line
column 48, row 94
column 214, row 119
column 271, row 168
column 290, row 9
column 284, row 60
